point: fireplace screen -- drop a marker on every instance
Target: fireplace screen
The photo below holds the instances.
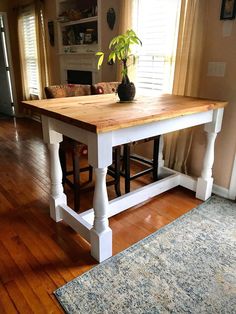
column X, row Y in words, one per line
column 79, row 77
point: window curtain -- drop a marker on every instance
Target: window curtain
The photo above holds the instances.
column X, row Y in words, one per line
column 44, row 78
column 37, row 10
column 186, row 78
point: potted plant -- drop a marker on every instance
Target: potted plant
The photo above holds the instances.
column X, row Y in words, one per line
column 120, row 47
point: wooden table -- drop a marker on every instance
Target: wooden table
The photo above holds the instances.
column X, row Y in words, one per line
column 102, row 122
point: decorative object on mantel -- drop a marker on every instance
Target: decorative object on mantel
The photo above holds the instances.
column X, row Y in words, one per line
column 111, row 18
column 187, row 266
column 228, row 10
column 120, row 50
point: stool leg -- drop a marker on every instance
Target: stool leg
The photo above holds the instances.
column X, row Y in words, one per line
column 155, row 157
column 90, row 173
column 117, row 170
column 62, row 157
column 126, row 158
column 76, row 178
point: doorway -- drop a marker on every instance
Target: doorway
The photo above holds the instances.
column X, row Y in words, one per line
column 6, row 75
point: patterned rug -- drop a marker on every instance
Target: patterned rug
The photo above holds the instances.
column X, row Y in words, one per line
column 189, row 266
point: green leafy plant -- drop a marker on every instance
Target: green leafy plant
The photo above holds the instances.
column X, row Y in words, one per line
column 120, row 47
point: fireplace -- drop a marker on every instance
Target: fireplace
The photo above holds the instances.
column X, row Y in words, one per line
column 79, row 77
column 79, row 69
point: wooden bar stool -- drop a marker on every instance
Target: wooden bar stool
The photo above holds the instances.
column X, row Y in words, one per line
column 78, row 150
column 152, row 164
column 114, row 169
column 111, row 87
column 75, row 151
column 70, row 147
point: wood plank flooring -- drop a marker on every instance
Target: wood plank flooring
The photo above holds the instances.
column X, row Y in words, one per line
column 38, row 255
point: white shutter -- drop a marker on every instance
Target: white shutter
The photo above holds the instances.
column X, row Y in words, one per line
column 28, row 34
column 156, row 23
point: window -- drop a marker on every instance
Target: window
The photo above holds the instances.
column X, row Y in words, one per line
column 29, row 55
column 156, row 23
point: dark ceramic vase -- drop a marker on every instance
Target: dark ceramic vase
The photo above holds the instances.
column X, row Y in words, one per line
column 126, row 90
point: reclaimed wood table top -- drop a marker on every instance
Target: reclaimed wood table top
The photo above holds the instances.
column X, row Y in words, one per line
column 103, row 113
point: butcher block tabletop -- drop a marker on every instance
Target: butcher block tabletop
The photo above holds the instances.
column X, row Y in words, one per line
column 103, row 113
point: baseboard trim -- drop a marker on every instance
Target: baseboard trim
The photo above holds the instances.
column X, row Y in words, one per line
column 220, row 191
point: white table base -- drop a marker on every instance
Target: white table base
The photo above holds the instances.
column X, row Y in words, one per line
column 93, row 224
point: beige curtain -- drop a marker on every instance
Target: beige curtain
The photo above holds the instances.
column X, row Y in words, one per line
column 125, row 23
column 186, row 78
column 36, row 9
column 44, row 78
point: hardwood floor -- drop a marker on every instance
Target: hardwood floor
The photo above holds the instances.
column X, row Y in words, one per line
column 38, row 255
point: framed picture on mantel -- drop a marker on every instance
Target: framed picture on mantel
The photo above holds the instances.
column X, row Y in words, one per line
column 228, row 10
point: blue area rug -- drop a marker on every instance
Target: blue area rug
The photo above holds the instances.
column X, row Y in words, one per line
column 189, row 266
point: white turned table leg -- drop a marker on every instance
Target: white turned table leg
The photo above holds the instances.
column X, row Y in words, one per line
column 101, row 234
column 205, row 182
column 57, row 196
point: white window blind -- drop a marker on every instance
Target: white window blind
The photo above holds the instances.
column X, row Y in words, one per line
column 29, row 50
column 156, row 23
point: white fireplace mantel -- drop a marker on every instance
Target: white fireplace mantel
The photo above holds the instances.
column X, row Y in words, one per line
column 79, row 62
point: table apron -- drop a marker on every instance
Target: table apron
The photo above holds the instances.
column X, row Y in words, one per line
column 138, row 132
column 134, row 133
